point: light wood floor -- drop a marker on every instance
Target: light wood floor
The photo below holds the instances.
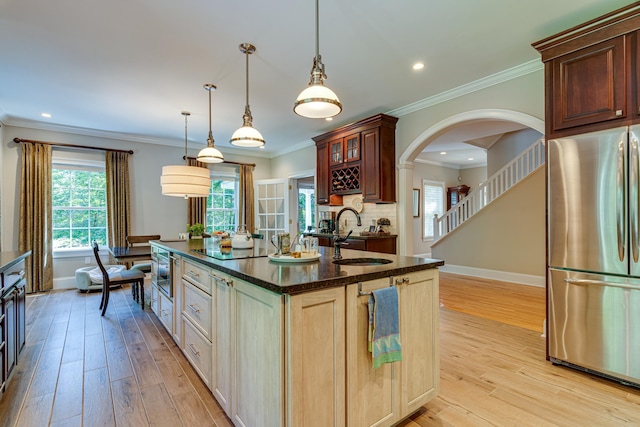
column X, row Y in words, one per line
column 517, row 305
column 124, row 369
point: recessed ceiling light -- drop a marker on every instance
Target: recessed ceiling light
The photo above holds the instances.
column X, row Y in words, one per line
column 443, row 153
column 46, row 115
column 418, row 66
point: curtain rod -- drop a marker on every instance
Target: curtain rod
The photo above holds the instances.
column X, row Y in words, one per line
column 226, row 161
column 60, row 144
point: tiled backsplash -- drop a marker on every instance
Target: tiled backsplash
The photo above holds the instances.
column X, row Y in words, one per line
column 370, row 212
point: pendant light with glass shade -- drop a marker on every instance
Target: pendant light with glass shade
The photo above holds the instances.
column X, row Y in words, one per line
column 247, row 135
column 317, row 101
column 184, row 180
column 210, row 154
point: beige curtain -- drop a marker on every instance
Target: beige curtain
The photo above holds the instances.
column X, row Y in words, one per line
column 196, row 206
column 35, row 216
column 246, row 205
column 118, row 197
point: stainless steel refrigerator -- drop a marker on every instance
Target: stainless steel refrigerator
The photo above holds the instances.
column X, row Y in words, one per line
column 594, row 253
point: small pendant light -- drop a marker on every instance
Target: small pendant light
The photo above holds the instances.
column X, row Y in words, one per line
column 210, row 154
column 185, row 181
column 317, row 101
column 247, row 135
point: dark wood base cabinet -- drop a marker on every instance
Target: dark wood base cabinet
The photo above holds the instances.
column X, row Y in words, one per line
column 385, row 245
column 12, row 315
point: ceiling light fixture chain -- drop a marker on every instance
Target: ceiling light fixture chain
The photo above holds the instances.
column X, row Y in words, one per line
column 186, row 155
column 247, row 135
column 184, row 180
column 210, row 154
column 317, row 101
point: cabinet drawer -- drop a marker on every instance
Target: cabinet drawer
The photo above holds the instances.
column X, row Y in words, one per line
column 197, row 349
column 197, row 308
column 198, row 275
column 166, row 312
column 12, row 275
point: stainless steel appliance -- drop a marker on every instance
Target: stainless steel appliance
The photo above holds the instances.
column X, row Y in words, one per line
column 327, row 221
column 161, row 270
column 594, row 253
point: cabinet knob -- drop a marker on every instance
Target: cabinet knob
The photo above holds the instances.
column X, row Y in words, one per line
column 618, row 113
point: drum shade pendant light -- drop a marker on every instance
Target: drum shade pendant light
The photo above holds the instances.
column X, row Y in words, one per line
column 210, row 154
column 247, row 135
column 185, row 181
column 317, row 101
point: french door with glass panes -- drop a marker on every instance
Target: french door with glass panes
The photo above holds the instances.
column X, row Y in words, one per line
column 272, row 207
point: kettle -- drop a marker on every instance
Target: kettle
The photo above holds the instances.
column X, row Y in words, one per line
column 242, row 239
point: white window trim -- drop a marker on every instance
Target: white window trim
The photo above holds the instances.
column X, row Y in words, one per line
column 444, row 204
column 59, row 161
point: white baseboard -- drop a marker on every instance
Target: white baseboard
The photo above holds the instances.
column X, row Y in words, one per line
column 503, row 276
column 64, row 283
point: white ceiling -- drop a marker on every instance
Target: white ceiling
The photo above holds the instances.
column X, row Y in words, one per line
column 126, row 69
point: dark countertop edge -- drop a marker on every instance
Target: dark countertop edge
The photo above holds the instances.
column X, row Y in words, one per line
column 319, row 284
column 9, row 258
column 355, row 236
column 307, row 286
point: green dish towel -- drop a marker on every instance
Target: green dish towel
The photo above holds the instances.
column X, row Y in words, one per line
column 384, row 327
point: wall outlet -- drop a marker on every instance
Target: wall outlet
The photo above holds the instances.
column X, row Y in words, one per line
column 87, row 260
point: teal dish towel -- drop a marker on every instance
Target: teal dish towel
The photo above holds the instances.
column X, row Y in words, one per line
column 384, row 327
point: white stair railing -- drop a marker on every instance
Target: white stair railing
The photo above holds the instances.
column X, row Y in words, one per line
column 513, row 172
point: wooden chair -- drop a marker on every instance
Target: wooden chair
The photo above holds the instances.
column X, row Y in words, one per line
column 144, row 266
column 136, row 278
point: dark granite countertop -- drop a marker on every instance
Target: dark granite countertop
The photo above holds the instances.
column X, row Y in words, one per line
column 354, row 235
column 9, row 258
column 294, row 278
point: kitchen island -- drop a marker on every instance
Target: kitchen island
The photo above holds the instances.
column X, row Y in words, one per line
column 285, row 344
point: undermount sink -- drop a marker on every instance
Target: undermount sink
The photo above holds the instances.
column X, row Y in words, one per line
column 362, row 261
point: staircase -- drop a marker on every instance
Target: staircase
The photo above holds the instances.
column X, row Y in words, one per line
column 513, row 172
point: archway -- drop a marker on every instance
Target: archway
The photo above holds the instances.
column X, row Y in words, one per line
column 406, row 161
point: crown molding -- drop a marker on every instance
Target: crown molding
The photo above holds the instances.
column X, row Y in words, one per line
column 449, row 165
column 483, row 83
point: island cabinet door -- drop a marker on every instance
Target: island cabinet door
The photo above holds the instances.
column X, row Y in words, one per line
column 316, row 359
column 222, row 352
column 258, row 352
column 418, row 296
column 372, row 394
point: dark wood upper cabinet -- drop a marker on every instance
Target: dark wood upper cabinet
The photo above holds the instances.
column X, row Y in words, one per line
column 589, row 85
column 322, row 174
column 592, row 74
column 345, row 150
column 360, row 158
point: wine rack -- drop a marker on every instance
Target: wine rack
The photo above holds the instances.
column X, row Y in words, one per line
column 345, row 180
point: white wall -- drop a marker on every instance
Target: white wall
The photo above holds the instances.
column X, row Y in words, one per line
column 473, row 176
column 506, row 236
column 3, row 180
column 508, row 147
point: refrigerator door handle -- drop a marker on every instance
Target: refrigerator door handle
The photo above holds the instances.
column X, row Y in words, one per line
column 587, row 282
column 621, row 223
column 633, row 200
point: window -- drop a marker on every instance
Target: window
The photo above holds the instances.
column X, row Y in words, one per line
column 433, row 205
column 79, row 206
column 306, row 209
column 222, row 208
